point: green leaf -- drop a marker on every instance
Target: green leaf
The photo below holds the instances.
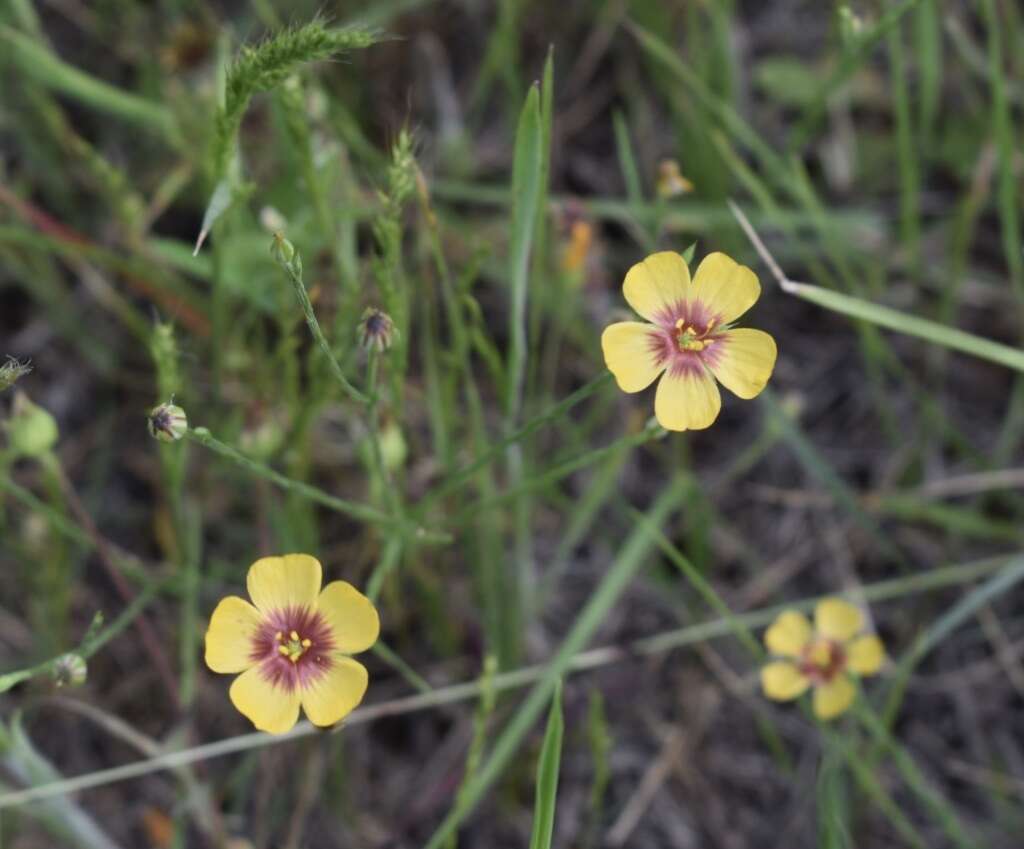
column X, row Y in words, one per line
column 547, row 775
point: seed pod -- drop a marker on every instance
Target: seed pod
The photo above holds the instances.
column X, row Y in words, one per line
column 31, row 430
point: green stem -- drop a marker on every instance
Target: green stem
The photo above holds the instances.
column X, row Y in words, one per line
column 362, row 512
column 294, row 272
column 466, row 472
column 373, row 423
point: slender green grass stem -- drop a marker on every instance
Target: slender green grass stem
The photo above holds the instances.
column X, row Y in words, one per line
column 915, row 780
column 362, row 512
column 92, row 643
column 295, row 276
column 936, row 579
column 34, row 59
column 553, row 475
column 463, row 475
column 380, row 471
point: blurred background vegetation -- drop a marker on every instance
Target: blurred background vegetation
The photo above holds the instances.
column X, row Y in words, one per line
column 486, row 172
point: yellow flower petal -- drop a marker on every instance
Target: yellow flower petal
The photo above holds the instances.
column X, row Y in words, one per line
column 725, row 287
column 269, row 708
column 836, row 619
column 289, row 581
column 351, row 616
column 789, row 634
column 833, row 698
column 631, row 354
column 865, row 655
column 744, row 361
column 782, row 681
column 333, row 695
column 688, row 401
column 657, row 283
column 229, row 638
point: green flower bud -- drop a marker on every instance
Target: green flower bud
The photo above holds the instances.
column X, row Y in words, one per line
column 70, row 670
column 167, row 422
column 286, row 256
column 393, row 449
column 31, row 430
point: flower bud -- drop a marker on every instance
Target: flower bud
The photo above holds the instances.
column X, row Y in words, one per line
column 70, row 670
column 285, row 254
column 282, row 250
column 376, row 330
column 31, row 430
column 393, row 449
column 167, row 422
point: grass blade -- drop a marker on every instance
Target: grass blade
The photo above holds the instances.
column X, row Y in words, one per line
column 910, row 325
column 526, row 188
column 36, row 61
column 632, row 556
column 547, row 775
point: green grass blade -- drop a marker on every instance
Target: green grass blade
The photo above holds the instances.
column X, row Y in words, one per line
column 547, row 775
column 526, row 189
column 631, row 557
column 910, row 325
column 1008, row 146
column 850, row 63
column 44, row 67
column 1007, row 578
column 928, row 42
column 940, row 809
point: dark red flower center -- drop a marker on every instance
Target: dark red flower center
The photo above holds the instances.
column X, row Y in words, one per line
column 822, row 660
column 688, row 338
column 293, row 647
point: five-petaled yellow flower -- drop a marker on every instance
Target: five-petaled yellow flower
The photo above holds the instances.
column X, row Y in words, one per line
column 690, row 337
column 821, row 657
column 292, row 647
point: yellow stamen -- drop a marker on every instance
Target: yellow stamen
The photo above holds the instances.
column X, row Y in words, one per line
column 283, row 650
column 280, row 636
column 295, row 636
column 307, row 643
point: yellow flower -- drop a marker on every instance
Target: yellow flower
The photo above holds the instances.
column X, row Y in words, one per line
column 574, row 254
column 671, row 182
column 690, row 337
column 822, row 656
column 292, row 647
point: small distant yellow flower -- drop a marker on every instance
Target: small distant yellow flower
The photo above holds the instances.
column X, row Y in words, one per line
column 292, row 644
column 671, row 182
column 576, row 250
column 690, row 337
column 822, row 657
